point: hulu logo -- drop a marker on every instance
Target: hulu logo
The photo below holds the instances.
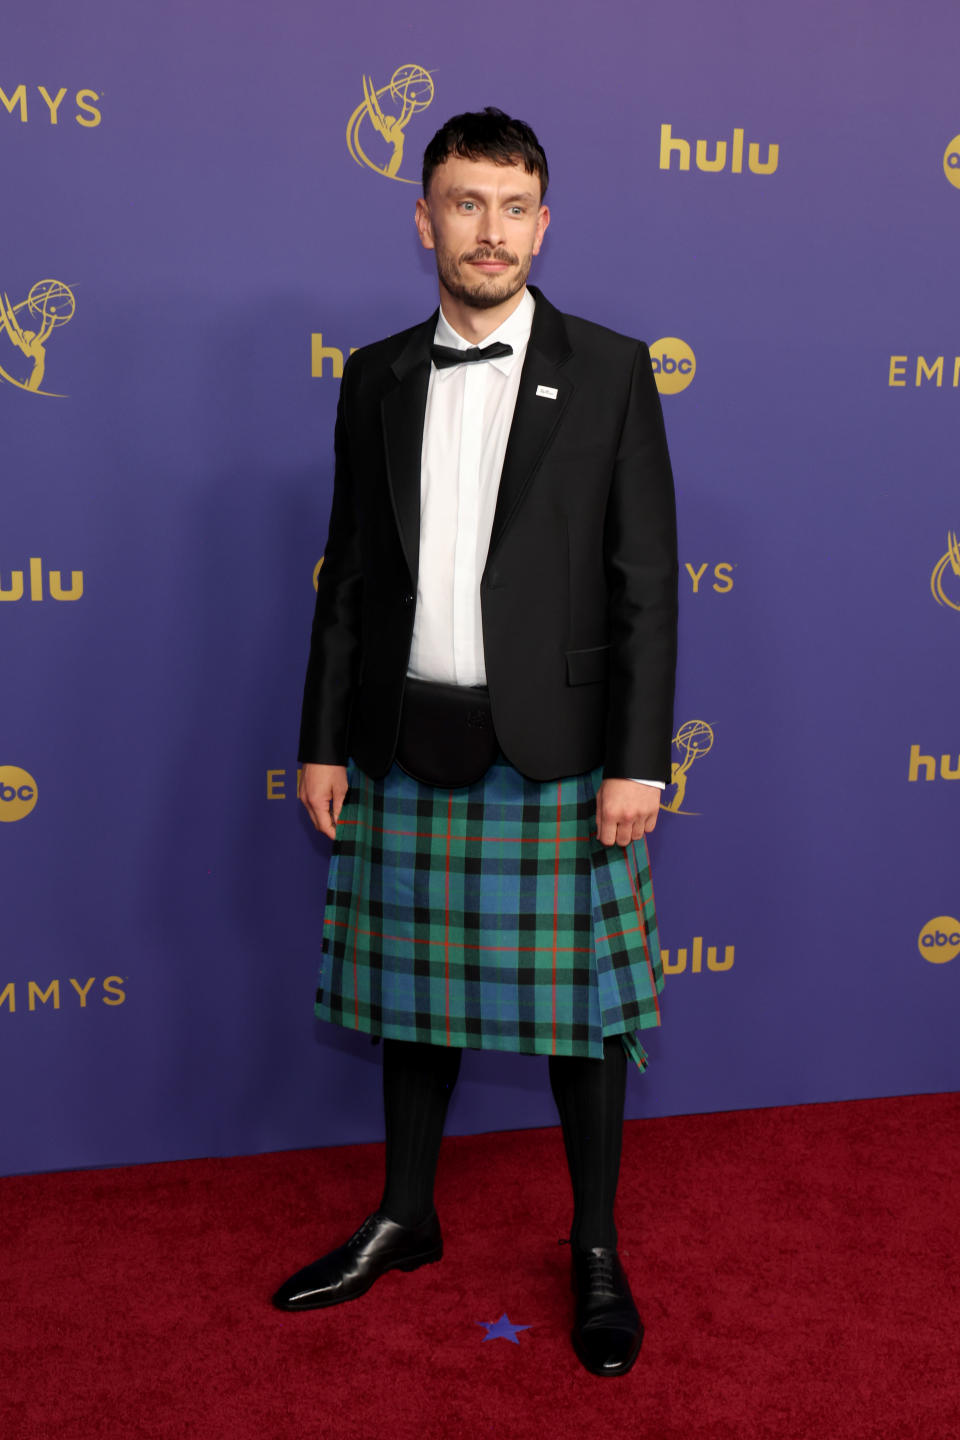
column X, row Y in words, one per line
column 713, row 158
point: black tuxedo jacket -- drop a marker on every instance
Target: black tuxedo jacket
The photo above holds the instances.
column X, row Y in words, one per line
column 579, row 592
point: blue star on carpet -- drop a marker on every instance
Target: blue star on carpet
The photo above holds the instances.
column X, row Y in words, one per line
column 500, row 1329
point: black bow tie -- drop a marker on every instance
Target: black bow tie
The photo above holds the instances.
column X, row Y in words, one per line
column 445, row 355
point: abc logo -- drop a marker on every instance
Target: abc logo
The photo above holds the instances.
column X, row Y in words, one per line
column 940, row 940
column 18, row 792
column 674, row 364
column 951, row 161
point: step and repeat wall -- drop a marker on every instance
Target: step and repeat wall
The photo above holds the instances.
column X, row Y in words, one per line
column 203, row 209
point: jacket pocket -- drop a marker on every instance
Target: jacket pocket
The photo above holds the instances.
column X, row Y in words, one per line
column 586, row 667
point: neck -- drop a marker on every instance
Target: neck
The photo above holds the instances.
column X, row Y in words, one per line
column 473, row 324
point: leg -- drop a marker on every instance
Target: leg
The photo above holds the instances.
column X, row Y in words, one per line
column 418, row 1081
column 589, row 1094
column 404, row 1233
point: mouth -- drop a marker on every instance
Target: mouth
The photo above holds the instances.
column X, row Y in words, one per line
column 494, row 264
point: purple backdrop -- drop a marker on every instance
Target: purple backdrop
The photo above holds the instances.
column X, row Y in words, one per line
column 193, row 201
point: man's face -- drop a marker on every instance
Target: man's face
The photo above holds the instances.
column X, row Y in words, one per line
column 486, row 223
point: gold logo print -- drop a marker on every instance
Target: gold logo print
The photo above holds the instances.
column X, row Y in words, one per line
column 693, row 739
column 409, row 90
column 951, row 162
column 939, row 940
column 18, row 793
column 674, row 364
column 949, row 561
column 49, row 305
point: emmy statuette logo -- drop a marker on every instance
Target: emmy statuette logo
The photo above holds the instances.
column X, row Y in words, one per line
column 693, row 739
column 376, row 129
column 939, row 940
column 18, row 793
column 945, row 580
column 674, row 364
column 951, row 162
column 26, row 328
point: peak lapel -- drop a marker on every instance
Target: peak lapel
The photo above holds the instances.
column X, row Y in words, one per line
column 536, row 417
column 402, row 412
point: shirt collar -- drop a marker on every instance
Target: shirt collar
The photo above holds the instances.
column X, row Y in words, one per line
column 514, row 331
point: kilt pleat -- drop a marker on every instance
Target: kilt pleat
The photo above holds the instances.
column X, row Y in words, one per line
column 488, row 917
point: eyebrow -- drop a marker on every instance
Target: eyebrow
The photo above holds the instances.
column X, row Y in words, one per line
column 461, row 192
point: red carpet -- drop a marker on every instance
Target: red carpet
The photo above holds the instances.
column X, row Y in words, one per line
column 796, row 1269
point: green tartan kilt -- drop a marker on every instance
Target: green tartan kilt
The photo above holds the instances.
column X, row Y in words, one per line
column 488, row 917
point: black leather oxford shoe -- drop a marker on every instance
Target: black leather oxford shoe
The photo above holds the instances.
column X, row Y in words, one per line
column 379, row 1245
column 607, row 1332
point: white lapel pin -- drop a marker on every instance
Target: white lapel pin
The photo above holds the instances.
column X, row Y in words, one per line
column 547, row 391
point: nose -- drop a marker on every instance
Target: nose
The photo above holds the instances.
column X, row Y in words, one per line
column 490, row 228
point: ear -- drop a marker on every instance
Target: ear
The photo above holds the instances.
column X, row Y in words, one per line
column 543, row 220
column 423, row 223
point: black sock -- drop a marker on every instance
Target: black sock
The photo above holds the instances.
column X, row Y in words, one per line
column 418, row 1081
column 589, row 1096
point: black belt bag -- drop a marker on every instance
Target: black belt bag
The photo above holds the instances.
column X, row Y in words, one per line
column 446, row 733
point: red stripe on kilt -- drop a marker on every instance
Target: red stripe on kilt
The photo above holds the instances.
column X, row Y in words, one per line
column 477, row 839
column 515, row 949
column 635, row 891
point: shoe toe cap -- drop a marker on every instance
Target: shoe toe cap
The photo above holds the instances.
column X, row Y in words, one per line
column 608, row 1350
column 306, row 1289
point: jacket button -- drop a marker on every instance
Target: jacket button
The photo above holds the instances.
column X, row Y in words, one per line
column 409, row 599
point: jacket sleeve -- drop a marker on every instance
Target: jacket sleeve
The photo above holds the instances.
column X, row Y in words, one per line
column 334, row 664
column 640, row 556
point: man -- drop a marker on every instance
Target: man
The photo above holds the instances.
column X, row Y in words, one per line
column 487, row 716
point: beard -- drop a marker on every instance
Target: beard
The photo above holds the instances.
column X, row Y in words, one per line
column 487, row 290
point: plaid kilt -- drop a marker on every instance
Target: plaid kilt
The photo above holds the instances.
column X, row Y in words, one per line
column 488, row 917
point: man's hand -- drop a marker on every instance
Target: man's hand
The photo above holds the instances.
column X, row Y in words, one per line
column 626, row 810
column 322, row 789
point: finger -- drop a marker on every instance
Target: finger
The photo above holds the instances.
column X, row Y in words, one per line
column 325, row 822
column 607, row 831
column 338, row 800
column 318, row 808
column 624, row 833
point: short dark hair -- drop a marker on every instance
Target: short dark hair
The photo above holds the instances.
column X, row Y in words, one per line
column 487, row 135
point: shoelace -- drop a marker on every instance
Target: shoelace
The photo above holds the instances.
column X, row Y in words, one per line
column 365, row 1230
column 600, row 1272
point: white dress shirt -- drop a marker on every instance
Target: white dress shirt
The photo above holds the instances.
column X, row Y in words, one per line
column 466, row 427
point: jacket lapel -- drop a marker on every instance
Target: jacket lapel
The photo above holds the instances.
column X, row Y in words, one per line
column 535, row 420
column 402, row 412
column 536, row 417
